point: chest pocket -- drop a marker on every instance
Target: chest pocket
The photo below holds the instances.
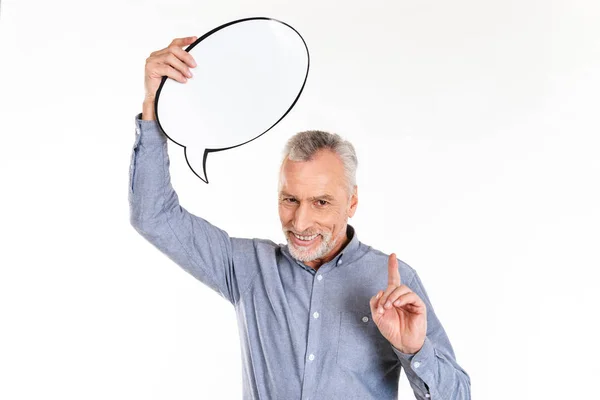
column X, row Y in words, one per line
column 361, row 346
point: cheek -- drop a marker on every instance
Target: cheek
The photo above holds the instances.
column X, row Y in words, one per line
column 331, row 218
column 285, row 214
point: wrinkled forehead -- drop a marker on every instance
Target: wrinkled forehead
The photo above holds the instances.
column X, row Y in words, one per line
column 323, row 174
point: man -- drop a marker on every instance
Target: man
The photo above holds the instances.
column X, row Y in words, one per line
column 313, row 321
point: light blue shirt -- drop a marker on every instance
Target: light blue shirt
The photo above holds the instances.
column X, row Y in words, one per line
column 305, row 334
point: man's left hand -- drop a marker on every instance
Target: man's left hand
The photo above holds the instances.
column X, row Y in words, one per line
column 399, row 313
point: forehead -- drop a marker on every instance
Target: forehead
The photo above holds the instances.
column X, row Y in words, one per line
column 323, row 174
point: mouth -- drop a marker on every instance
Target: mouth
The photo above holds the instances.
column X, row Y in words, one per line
column 301, row 240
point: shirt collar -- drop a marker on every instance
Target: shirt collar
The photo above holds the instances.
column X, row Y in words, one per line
column 348, row 252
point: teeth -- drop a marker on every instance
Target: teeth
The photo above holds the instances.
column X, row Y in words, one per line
column 307, row 238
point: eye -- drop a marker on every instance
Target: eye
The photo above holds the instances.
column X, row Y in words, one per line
column 322, row 203
column 289, row 200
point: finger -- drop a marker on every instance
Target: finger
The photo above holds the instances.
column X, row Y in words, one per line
column 184, row 41
column 184, row 56
column 177, row 58
column 177, row 51
column 176, row 43
column 373, row 302
column 173, row 61
column 394, row 295
column 386, row 296
column 160, row 70
column 412, row 300
column 383, row 298
column 393, row 281
column 393, row 272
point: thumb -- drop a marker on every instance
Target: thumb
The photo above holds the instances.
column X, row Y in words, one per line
column 373, row 303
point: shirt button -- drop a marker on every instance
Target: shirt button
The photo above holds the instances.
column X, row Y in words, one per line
column 365, row 319
column 319, row 277
column 311, row 357
column 316, row 315
column 416, row 364
column 427, row 395
column 339, row 261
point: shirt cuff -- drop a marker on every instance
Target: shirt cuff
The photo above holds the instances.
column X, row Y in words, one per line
column 419, row 361
column 148, row 131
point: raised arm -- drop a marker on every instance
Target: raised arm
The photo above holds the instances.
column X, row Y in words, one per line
column 404, row 315
column 203, row 250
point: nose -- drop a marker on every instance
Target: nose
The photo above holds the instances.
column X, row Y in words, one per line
column 303, row 218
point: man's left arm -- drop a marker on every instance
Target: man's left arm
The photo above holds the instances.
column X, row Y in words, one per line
column 432, row 371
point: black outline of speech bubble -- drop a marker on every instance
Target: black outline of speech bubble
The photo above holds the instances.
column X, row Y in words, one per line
column 207, row 151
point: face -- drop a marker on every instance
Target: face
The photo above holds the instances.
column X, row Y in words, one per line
column 314, row 207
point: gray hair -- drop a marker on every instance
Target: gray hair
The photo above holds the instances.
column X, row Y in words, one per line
column 304, row 145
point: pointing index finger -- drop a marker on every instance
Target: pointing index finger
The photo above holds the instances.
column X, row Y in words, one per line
column 393, row 272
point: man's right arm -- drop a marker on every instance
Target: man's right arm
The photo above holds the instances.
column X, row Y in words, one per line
column 203, row 250
column 200, row 248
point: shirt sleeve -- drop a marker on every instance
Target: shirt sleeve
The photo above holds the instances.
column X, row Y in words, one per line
column 203, row 250
column 433, row 372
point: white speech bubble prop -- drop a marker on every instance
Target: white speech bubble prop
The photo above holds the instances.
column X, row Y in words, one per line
column 250, row 74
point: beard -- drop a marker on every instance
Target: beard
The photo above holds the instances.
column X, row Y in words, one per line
column 307, row 254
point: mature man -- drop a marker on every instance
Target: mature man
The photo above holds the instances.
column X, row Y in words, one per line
column 313, row 321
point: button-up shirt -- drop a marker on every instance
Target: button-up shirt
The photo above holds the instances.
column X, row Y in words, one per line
column 305, row 334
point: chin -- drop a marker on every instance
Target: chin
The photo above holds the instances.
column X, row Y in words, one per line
column 308, row 255
column 301, row 255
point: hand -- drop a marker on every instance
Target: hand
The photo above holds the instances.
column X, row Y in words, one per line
column 172, row 61
column 399, row 313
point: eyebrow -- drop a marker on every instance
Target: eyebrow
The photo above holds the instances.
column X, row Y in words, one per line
column 322, row 197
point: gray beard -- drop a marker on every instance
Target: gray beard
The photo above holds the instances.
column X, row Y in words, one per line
column 327, row 243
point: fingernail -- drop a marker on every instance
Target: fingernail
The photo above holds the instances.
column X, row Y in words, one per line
column 380, row 310
column 397, row 302
column 379, row 295
column 388, row 304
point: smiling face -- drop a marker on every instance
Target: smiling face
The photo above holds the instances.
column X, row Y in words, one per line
column 314, row 207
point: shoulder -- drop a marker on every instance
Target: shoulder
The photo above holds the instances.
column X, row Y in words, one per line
column 255, row 245
column 377, row 257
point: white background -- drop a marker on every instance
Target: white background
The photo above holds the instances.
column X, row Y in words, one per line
column 476, row 125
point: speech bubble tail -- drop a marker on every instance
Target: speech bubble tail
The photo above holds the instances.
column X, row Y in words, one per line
column 198, row 167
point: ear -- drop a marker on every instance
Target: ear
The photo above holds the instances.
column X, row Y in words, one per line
column 353, row 202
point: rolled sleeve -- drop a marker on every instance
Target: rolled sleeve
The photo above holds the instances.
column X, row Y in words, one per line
column 147, row 132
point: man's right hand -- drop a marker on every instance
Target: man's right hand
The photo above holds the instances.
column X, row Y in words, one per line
column 173, row 62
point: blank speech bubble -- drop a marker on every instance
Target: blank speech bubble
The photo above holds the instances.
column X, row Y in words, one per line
column 250, row 74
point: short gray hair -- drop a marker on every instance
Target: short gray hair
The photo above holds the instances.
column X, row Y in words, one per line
column 304, row 145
